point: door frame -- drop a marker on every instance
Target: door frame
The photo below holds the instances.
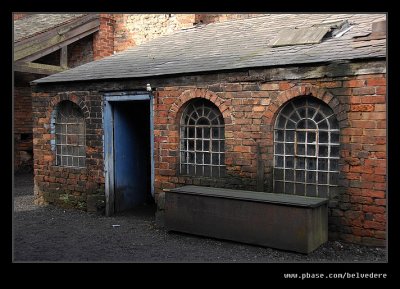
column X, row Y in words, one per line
column 108, row 141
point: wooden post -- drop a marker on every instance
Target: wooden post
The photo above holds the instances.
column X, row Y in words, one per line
column 260, row 170
column 64, row 57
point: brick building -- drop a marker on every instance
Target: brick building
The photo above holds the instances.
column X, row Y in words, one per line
column 290, row 103
column 83, row 38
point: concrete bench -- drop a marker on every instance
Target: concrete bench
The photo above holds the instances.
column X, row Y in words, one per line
column 281, row 221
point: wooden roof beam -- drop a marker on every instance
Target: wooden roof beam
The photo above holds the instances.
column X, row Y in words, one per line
column 37, row 68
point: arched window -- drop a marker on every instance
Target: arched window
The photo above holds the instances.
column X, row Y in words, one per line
column 202, row 135
column 70, row 135
column 306, row 148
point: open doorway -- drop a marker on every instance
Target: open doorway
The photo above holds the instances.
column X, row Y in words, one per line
column 128, row 142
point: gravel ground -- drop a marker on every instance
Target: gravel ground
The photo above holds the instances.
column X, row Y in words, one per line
column 52, row 234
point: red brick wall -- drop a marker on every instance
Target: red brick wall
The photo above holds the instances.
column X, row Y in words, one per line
column 103, row 40
column 357, row 214
column 80, row 52
column 22, row 128
column 23, row 106
column 364, row 154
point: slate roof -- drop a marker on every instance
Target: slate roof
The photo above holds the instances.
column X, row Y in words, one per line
column 34, row 24
column 231, row 45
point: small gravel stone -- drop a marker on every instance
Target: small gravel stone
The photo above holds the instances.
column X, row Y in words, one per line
column 49, row 233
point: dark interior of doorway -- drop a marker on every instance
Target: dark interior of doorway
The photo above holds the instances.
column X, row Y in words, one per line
column 132, row 161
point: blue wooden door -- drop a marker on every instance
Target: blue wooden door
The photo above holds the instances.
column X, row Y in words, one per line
column 132, row 167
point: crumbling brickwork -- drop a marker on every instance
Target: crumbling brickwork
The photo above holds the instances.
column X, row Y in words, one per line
column 81, row 188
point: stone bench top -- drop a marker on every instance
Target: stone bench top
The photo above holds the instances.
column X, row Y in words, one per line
column 281, row 199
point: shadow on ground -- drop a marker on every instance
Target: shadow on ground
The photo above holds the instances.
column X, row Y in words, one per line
column 49, row 233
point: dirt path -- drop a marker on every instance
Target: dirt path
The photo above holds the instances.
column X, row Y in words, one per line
column 49, row 233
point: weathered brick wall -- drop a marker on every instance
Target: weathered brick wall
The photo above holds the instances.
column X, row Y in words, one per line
column 81, row 188
column 357, row 214
column 135, row 29
column 103, row 40
column 22, row 128
column 361, row 213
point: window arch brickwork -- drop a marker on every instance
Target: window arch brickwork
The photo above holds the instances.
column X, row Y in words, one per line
column 293, row 91
column 202, row 140
column 69, row 129
column 306, row 148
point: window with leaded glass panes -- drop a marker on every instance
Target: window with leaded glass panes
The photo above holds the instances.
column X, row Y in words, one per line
column 306, row 149
column 70, row 135
column 202, row 140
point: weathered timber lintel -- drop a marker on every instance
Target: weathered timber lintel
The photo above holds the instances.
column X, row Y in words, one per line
column 37, row 68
